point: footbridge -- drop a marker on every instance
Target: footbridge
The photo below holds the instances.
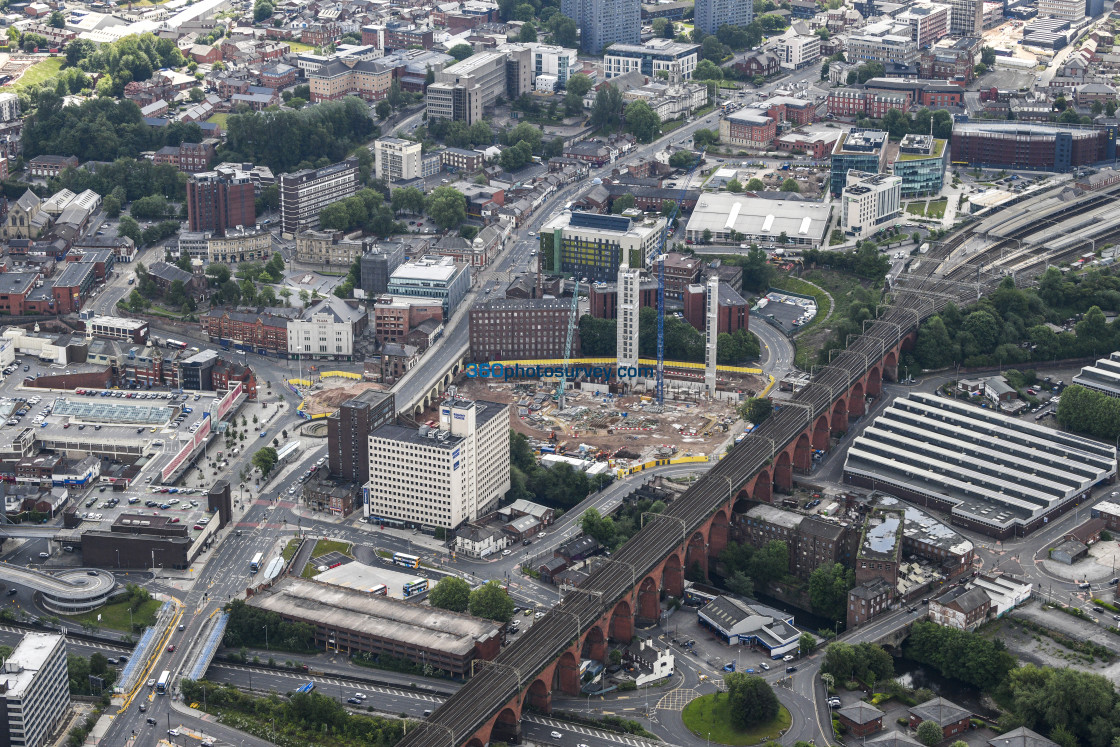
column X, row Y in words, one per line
column 626, row 590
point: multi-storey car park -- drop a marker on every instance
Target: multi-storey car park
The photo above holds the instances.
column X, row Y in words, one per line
column 995, row 474
column 547, row 656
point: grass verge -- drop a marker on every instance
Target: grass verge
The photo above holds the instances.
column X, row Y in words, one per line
column 936, row 208
column 290, row 549
column 916, row 208
column 115, row 616
column 322, row 547
column 299, row 46
column 709, row 716
column 40, row 72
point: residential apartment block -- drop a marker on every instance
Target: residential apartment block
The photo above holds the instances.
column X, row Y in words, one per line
column 796, row 50
column 650, row 58
column 338, row 77
column 605, row 22
column 348, row 430
column 34, row 690
column 869, row 202
column 304, row 194
column 396, row 159
column 709, row 15
column 592, row 246
column 216, row 202
column 444, row 476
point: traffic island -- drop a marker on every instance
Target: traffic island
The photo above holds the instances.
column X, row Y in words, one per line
column 709, row 717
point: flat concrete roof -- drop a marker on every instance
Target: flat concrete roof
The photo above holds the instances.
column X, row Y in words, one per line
column 376, row 616
column 30, row 656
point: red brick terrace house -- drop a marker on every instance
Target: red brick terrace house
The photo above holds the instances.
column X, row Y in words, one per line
column 952, row 718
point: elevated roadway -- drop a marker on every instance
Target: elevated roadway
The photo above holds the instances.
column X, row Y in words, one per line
column 66, row 592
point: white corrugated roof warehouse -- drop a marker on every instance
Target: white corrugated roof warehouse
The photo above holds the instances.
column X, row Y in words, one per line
column 757, row 220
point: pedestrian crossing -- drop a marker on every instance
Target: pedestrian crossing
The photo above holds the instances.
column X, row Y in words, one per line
column 606, row 736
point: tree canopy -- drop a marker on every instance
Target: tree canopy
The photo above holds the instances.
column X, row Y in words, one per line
column 286, row 140
column 450, row 593
column 491, row 602
column 752, row 699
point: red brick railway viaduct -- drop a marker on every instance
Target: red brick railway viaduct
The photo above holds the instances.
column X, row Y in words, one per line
column 643, row 602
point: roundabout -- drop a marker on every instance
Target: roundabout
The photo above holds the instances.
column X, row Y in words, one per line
column 709, row 717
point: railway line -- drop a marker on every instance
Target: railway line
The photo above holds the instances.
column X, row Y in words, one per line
column 938, row 278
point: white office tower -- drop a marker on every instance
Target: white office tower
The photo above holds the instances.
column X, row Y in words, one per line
column 711, row 334
column 442, row 476
column 34, row 690
column 629, row 284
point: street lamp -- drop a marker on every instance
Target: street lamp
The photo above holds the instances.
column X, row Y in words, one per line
column 266, row 637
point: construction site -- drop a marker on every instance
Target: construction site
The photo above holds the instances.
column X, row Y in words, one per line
column 627, row 430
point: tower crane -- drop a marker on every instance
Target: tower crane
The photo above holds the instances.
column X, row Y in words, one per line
column 572, row 318
column 658, row 256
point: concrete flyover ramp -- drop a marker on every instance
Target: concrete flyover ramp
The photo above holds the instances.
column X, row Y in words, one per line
column 66, row 592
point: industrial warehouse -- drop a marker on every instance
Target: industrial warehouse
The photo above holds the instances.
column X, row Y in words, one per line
column 354, row 621
column 992, row 473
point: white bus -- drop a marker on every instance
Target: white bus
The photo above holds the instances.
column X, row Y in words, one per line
column 255, row 563
column 162, row 683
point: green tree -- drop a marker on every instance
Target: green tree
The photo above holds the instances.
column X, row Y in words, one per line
column 111, row 206
column 741, row 584
column 756, row 410
column 606, row 112
column 828, row 590
column 752, row 700
column 806, row 644
column 790, row 185
column 265, row 459
column 579, row 84
column 564, row 31
column 707, row 70
column 757, row 270
column 622, row 203
column 383, row 110
column 734, row 186
column 682, row 159
column 450, row 593
column 130, row 228
column 930, row 733
column 461, row 51
column 262, row 11
column 596, row 525
column 642, row 121
column 490, row 601
column 771, row 561
column 446, row 206
column 528, row 34
column 754, row 184
column 988, row 56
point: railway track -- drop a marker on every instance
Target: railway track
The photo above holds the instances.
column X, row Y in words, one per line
column 915, row 296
